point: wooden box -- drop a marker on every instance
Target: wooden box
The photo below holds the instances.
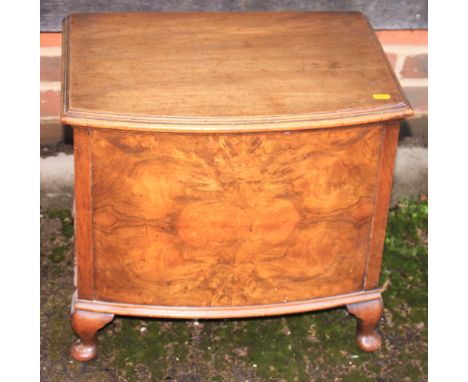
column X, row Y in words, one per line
column 228, row 165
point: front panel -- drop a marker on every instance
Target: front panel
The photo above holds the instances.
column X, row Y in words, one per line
column 232, row 219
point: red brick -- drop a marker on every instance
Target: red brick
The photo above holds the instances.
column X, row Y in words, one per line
column 50, row 68
column 50, row 104
column 51, row 39
column 417, row 96
column 415, row 66
column 403, row 37
column 392, row 58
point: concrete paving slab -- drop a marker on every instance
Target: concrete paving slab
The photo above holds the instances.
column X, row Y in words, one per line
column 57, row 181
column 411, row 170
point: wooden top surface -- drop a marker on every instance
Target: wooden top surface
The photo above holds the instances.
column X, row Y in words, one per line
column 202, row 72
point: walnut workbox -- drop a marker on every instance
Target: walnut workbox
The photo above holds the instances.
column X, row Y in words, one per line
column 228, row 165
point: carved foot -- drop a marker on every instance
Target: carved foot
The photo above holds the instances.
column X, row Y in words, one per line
column 368, row 315
column 86, row 324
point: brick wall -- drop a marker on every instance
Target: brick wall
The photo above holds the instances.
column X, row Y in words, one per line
column 52, row 131
column 406, row 50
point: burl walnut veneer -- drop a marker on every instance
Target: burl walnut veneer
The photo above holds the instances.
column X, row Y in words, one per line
column 228, row 165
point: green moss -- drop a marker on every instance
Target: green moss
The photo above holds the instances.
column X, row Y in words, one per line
column 66, row 220
column 68, row 229
column 357, row 376
column 60, row 214
column 58, row 254
column 140, row 341
column 405, row 262
column 58, row 335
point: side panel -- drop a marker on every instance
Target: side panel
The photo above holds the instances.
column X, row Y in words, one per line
column 83, row 213
column 232, row 220
column 384, row 190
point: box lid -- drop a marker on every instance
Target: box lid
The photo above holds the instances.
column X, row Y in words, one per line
column 226, row 72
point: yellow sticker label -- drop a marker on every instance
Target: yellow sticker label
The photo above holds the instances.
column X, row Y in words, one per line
column 381, row 96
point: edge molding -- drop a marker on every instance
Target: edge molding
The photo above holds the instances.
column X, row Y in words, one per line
column 191, row 312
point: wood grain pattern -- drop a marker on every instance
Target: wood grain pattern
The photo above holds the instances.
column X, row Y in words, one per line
column 232, row 220
column 83, row 214
column 384, row 191
column 205, row 72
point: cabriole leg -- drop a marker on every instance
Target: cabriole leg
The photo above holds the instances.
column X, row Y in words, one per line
column 368, row 314
column 86, row 324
